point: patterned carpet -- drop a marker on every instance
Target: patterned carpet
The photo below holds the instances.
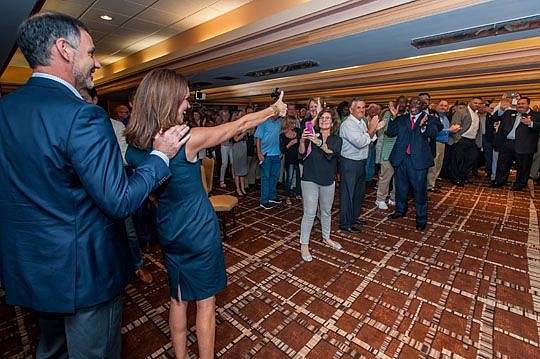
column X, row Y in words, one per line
column 468, row 286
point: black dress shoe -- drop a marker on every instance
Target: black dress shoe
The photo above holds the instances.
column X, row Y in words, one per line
column 434, row 190
column 351, row 229
column 495, row 184
column 360, row 222
column 517, row 188
column 396, row 215
column 466, row 181
column 457, row 183
column 420, row 226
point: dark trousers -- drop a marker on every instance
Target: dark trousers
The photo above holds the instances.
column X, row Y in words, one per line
column 464, row 154
column 407, row 175
column 487, row 147
column 448, row 154
column 507, row 155
column 352, row 189
column 92, row 332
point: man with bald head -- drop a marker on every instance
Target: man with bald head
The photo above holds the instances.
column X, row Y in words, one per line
column 465, row 141
column 411, row 157
column 441, row 141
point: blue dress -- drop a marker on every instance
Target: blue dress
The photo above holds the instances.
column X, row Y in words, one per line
column 188, row 230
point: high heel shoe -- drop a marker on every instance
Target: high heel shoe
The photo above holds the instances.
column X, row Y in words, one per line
column 307, row 257
column 334, row 245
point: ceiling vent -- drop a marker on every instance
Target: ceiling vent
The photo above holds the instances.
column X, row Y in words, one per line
column 478, row 32
column 283, row 68
column 200, row 84
column 226, row 78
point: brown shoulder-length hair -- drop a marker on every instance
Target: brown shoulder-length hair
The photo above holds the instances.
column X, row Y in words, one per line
column 155, row 106
column 335, row 120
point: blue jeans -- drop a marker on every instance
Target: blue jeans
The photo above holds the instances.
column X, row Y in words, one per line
column 92, row 332
column 269, row 178
column 290, row 170
column 370, row 164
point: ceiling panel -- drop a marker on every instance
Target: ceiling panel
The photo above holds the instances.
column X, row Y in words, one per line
column 182, row 8
column 118, row 6
column 93, row 15
column 71, row 8
column 159, row 16
column 142, row 2
column 142, row 26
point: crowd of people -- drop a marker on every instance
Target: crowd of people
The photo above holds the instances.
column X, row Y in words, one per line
column 96, row 179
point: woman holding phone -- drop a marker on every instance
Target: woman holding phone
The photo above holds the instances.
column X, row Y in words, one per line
column 187, row 225
column 319, row 147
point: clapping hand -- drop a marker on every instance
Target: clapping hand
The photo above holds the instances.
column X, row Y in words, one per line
column 381, row 124
column 372, row 125
column 454, row 128
column 393, row 109
column 526, row 119
column 424, row 120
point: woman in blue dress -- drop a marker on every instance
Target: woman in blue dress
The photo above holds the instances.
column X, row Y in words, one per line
column 187, row 225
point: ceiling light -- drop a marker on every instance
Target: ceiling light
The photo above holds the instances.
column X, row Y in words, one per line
column 106, row 17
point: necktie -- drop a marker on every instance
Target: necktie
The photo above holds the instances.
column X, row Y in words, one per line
column 413, row 118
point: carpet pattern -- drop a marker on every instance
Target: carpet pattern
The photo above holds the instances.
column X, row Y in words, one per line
column 468, row 286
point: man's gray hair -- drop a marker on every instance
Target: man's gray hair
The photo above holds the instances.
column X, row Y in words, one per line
column 38, row 33
column 355, row 100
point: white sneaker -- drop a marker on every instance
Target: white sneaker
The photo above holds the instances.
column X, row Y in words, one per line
column 391, row 203
column 381, row 205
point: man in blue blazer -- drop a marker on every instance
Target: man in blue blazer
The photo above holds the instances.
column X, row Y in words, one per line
column 411, row 157
column 63, row 185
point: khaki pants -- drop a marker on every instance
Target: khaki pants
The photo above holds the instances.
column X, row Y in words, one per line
column 434, row 171
column 383, row 185
column 535, row 168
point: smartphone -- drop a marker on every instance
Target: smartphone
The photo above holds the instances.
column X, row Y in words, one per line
column 309, row 127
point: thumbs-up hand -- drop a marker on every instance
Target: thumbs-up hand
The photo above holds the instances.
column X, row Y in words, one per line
column 281, row 106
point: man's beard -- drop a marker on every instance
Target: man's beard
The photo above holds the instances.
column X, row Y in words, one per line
column 82, row 80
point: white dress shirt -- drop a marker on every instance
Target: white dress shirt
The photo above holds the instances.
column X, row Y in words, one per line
column 475, row 125
column 356, row 139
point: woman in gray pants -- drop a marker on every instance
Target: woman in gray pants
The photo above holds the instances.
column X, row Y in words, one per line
column 319, row 150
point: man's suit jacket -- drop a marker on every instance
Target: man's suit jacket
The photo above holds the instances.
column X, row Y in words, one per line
column 63, row 185
column 463, row 118
column 418, row 140
column 526, row 137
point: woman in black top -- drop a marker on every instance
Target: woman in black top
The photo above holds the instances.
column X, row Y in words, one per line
column 288, row 143
column 320, row 151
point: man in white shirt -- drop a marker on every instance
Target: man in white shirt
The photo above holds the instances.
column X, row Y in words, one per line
column 352, row 164
column 465, row 142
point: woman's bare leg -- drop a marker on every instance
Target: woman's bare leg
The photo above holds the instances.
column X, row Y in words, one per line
column 206, row 327
column 178, row 326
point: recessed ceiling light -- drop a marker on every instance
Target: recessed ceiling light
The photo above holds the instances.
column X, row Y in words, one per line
column 105, row 17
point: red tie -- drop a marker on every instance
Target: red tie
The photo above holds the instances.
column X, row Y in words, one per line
column 408, row 151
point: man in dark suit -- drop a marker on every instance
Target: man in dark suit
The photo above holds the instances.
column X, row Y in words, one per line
column 411, row 157
column 516, row 140
column 465, row 142
column 63, row 186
